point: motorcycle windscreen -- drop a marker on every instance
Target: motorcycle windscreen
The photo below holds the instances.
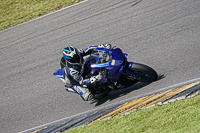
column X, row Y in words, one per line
column 110, row 59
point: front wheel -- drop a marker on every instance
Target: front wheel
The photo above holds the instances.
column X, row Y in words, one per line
column 98, row 91
column 145, row 73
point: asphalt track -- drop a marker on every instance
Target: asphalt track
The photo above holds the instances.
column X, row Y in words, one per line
column 162, row 34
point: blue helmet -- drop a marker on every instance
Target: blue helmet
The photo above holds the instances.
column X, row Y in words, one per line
column 71, row 55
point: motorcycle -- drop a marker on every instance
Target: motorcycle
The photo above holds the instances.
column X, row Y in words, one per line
column 117, row 72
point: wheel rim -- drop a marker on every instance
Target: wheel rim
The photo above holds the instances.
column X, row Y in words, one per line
column 145, row 77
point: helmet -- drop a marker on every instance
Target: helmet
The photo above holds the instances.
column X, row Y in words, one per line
column 71, row 55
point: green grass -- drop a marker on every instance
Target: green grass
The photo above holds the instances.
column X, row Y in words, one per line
column 13, row 12
column 176, row 117
column 180, row 116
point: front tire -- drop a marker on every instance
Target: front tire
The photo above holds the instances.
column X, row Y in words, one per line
column 98, row 92
column 101, row 95
column 146, row 73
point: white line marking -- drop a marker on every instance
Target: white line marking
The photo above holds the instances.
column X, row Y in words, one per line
column 107, row 106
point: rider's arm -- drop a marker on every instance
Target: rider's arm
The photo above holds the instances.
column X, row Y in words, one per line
column 92, row 80
column 84, row 82
column 89, row 50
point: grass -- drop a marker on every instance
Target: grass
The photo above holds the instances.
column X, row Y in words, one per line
column 13, row 12
column 176, row 117
column 180, row 116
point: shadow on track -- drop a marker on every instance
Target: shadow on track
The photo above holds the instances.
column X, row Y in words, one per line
column 121, row 92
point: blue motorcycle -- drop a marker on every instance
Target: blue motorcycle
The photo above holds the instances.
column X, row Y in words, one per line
column 117, row 71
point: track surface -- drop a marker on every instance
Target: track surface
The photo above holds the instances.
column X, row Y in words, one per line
column 162, row 34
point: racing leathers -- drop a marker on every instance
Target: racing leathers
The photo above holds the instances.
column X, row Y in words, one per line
column 73, row 74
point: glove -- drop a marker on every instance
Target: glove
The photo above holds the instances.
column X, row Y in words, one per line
column 108, row 46
column 99, row 77
column 96, row 78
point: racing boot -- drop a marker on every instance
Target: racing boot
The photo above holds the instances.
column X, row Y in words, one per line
column 70, row 90
column 83, row 92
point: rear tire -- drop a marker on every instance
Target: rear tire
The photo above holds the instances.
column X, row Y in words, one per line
column 147, row 73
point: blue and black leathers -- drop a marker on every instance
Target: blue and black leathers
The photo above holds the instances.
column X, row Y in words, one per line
column 73, row 73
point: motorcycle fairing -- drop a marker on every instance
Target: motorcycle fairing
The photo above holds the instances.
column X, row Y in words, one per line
column 113, row 65
column 59, row 74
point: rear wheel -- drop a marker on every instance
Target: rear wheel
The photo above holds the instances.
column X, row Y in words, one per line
column 145, row 73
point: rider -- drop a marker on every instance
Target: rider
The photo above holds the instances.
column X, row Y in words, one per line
column 72, row 66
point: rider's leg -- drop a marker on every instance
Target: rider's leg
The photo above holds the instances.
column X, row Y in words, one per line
column 83, row 92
